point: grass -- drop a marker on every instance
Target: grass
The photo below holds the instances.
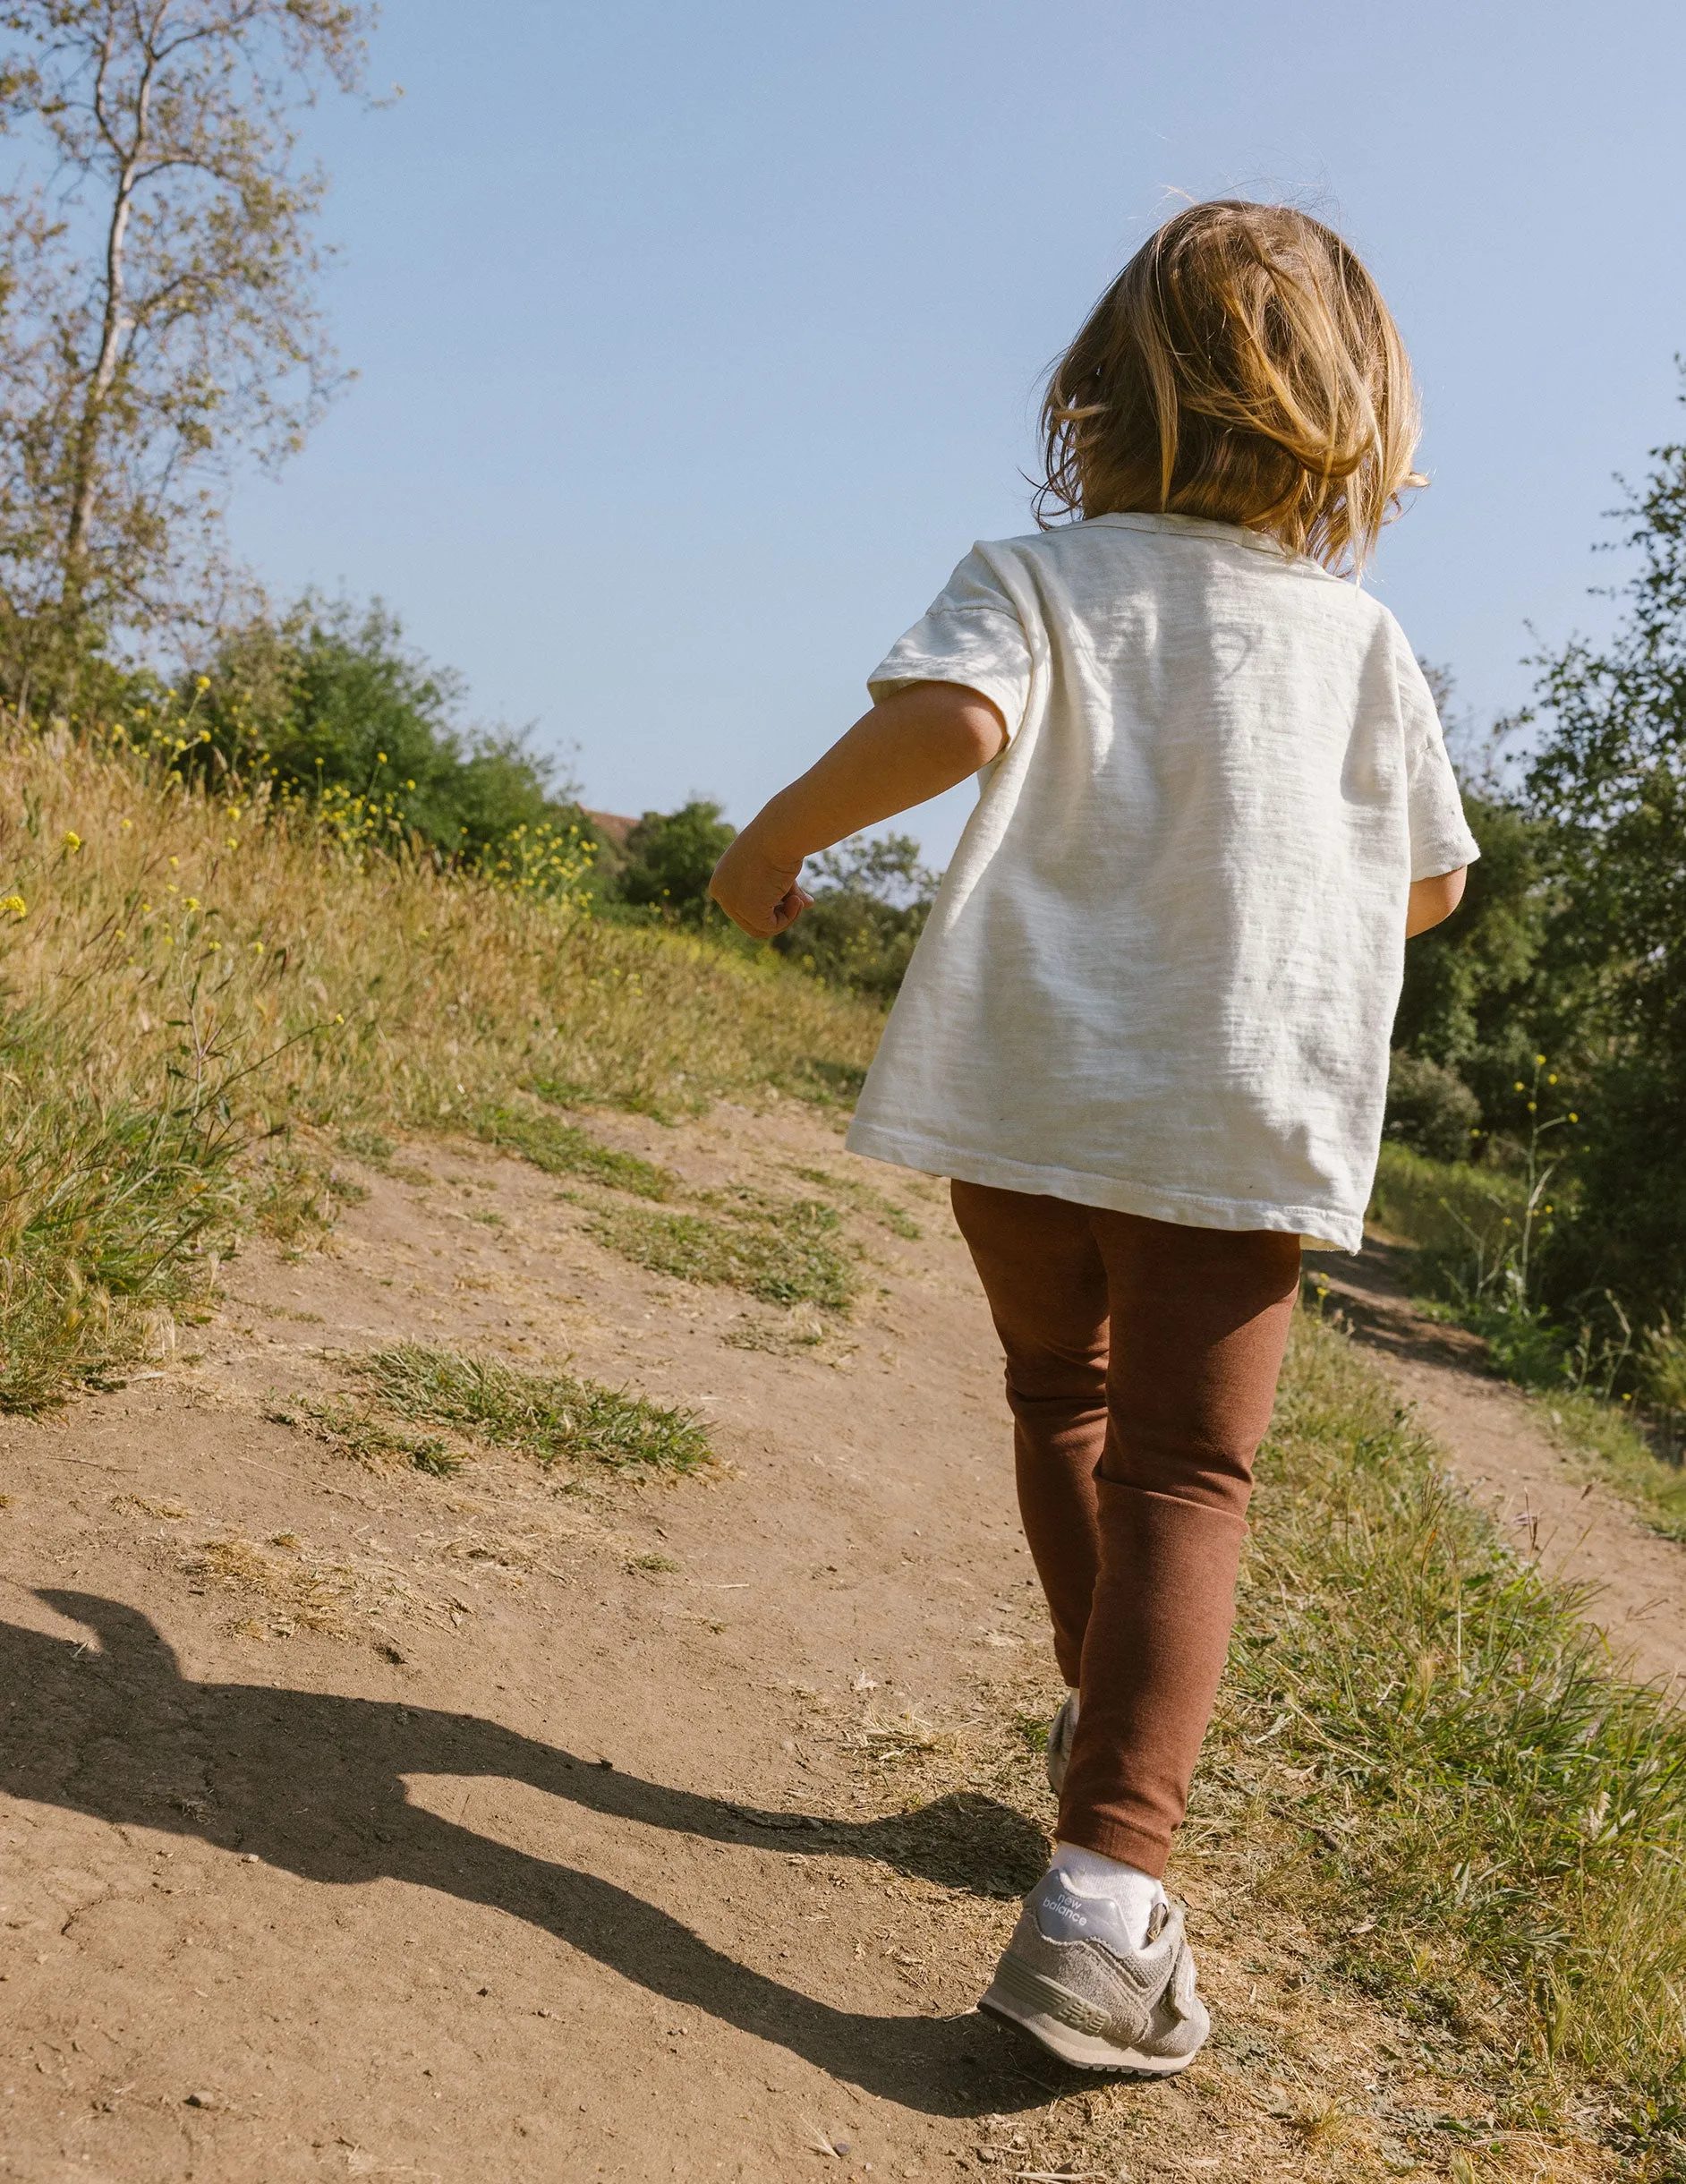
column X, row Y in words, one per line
column 191, row 977
column 882, row 1209
column 551, row 1416
column 780, row 1251
column 1504, row 1819
column 359, row 1433
column 1441, row 1205
column 1456, row 1217
column 563, row 1149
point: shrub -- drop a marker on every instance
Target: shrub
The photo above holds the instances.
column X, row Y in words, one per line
column 671, row 858
column 329, row 704
column 1429, row 1108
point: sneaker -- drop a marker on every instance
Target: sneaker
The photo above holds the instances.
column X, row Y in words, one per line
column 1071, row 1979
column 1060, row 1732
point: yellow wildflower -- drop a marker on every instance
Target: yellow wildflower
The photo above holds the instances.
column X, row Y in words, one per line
column 73, row 841
column 18, row 906
column 192, row 903
column 202, row 682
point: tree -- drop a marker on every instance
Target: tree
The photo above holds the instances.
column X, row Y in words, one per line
column 870, row 900
column 1608, row 778
column 670, row 859
column 157, row 307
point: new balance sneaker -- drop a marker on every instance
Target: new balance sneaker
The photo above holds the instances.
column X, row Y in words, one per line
column 1072, row 1980
column 1061, row 1731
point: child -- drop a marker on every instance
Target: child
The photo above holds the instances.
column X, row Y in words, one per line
column 1145, row 1030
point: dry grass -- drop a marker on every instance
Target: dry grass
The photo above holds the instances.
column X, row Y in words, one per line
column 300, row 1595
column 184, row 978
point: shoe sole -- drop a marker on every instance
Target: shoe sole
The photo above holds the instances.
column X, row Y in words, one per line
column 1043, row 2009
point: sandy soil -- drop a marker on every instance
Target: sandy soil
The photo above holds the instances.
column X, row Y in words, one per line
column 516, row 1828
column 1634, row 1579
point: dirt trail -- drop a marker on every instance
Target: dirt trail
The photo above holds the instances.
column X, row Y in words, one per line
column 496, row 1827
column 1492, row 1435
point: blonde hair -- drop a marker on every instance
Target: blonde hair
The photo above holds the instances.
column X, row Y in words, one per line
column 1243, row 367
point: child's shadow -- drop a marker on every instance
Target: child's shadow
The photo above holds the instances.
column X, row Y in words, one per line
column 313, row 1783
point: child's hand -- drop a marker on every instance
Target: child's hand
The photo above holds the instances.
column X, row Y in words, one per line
column 758, row 892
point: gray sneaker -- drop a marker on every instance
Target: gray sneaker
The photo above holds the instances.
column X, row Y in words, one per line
column 1071, row 1979
column 1060, row 1732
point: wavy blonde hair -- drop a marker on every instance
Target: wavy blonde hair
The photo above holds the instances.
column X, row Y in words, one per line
column 1243, row 367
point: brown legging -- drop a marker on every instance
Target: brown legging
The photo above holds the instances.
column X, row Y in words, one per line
column 1142, row 1359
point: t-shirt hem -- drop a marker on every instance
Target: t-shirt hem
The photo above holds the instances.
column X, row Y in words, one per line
column 1450, row 854
column 1319, row 1227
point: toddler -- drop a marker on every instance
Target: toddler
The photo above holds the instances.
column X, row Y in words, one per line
column 1145, row 1030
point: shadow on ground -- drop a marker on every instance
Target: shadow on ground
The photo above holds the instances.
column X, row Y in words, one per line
column 1371, row 1290
column 312, row 1783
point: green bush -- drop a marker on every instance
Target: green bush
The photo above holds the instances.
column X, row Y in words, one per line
column 329, row 704
column 670, row 860
column 1429, row 1108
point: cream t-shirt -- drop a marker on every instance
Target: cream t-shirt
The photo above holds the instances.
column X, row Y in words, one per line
column 1162, row 969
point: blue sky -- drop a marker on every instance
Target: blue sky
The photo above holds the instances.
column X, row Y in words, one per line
column 696, row 344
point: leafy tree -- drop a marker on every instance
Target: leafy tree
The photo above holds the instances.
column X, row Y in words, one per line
column 160, row 314
column 1471, row 1002
column 870, row 900
column 1608, row 779
column 671, row 858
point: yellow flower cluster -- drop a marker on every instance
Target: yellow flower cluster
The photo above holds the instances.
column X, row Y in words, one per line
column 544, row 860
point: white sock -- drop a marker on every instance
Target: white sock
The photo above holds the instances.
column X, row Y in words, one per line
column 1085, row 1872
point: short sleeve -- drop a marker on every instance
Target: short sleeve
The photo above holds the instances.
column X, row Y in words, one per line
column 1441, row 839
column 972, row 634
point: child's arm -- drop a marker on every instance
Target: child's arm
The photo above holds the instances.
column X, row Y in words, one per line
column 1433, row 901
column 921, row 741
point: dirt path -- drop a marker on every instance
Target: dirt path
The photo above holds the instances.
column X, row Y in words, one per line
column 500, row 1828
column 1492, row 1434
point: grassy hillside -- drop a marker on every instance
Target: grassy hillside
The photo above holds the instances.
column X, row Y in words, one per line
column 186, row 980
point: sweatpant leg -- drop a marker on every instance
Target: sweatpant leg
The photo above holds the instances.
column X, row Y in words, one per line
column 1199, row 1320
column 1047, row 1283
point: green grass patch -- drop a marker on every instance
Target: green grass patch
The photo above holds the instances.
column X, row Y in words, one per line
column 372, row 1146
column 563, row 1149
column 1621, row 1455
column 1445, row 1205
column 552, row 1416
column 781, row 1251
column 108, row 1213
column 861, row 1195
column 1443, row 1729
column 357, row 1432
